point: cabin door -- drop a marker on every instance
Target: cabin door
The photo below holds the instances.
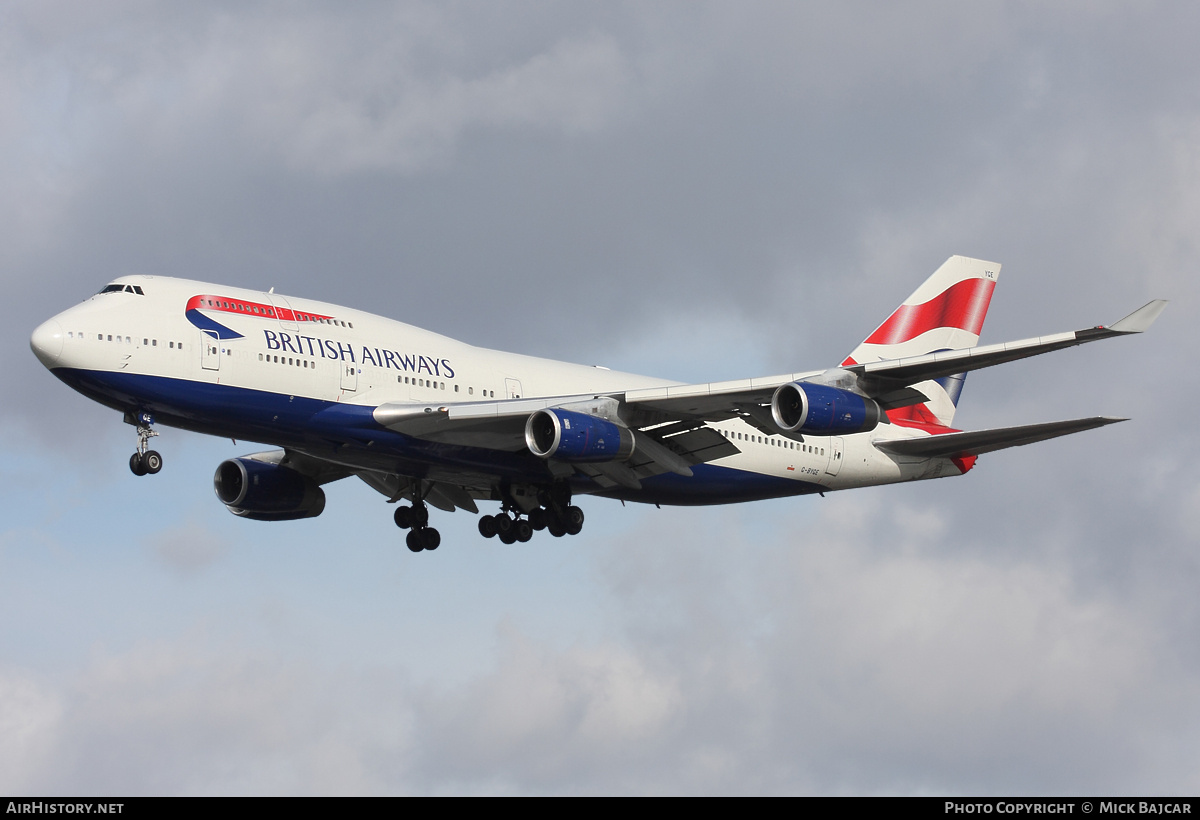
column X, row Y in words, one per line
column 210, row 351
column 283, row 312
column 835, row 456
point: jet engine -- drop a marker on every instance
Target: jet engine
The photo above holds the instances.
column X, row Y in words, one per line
column 817, row 410
column 570, row 436
column 267, row 492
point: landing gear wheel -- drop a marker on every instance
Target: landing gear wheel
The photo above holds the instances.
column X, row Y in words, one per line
column 431, row 539
column 403, row 517
column 504, row 526
column 538, row 519
column 152, row 461
column 573, row 521
column 416, row 519
column 144, row 461
column 556, row 529
column 414, row 540
column 509, row 536
column 487, row 526
column 522, row 530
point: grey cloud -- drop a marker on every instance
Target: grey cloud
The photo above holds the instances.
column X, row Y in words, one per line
column 853, row 651
column 29, row 718
column 195, row 719
column 187, row 549
column 607, row 183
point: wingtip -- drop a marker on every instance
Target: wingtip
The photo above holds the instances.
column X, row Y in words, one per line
column 1141, row 319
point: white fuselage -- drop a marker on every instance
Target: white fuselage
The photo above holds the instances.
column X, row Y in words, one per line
column 223, row 360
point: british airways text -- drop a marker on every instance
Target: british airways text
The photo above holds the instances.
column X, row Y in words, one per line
column 329, row 349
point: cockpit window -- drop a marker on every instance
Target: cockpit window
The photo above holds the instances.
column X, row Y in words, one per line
column 118, row 288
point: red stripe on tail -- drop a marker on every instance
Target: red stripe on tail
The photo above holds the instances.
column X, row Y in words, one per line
column 963, row 305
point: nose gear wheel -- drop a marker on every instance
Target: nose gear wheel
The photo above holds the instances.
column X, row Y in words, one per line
column 145, row 461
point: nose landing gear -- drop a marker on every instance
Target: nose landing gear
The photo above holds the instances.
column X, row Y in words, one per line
column 144, row 461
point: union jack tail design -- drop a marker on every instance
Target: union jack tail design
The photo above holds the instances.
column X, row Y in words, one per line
column 944, row 313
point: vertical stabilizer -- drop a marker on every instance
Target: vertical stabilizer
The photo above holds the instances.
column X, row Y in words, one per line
column 944, row 313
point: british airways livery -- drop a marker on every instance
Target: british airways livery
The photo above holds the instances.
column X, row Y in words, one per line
column 431, row 421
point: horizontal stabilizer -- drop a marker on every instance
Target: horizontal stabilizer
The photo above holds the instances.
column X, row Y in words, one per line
column 1141, row 319
column 977, row 442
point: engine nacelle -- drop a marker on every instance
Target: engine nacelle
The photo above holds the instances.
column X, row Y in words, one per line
column 267, row 492
column 570, row 436
column 817, row 410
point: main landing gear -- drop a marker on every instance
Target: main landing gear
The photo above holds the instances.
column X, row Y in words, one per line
column 522, row 513
column 560, row 520
column 415, row 519
column 145, row 461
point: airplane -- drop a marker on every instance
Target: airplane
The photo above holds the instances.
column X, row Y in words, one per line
column 431, row 421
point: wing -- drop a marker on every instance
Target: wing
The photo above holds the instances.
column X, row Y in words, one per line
column 978, row 442
column 674, row 446
column 889, row 382
column 669, row 421
column 319, row 470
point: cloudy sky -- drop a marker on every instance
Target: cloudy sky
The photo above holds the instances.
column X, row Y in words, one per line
column 695, row 191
